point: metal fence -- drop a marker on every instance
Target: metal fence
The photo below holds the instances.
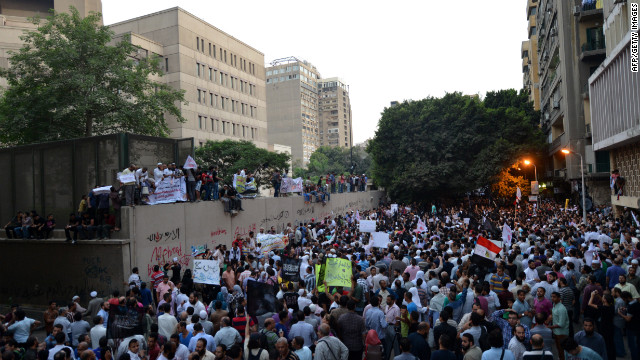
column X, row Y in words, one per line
column 52, row 177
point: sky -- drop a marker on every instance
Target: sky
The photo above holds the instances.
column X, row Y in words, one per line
column 384, row 50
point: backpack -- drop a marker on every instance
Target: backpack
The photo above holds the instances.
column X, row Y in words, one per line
column 255, row 357
column 264, row 344
column 484, row 340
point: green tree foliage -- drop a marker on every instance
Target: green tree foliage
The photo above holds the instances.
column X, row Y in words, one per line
column 335, row 159
column 507, row 183
column 68, row 81
column 450, row 145
column 231, row 156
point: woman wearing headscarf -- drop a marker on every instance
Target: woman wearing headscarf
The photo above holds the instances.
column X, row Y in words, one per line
column 222, row 297
column 373, row 346
column 420, row 275
column 304, row 264
column 187, row 282
column 235, row 298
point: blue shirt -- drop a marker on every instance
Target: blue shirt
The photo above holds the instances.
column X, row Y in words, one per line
column 304, row 353
column 613, row 273
column 375, row 320
column 494, row 353
column 507, row 331
column 412, row 307
column 21, row 330
column 146, row 296
column 185, row 340
column 520, row 307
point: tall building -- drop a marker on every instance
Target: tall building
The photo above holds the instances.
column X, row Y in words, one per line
column 14, row 20
column 292, row 107
column 614, row 91
column 335, row 113
column 570, row 46
column 223, row 77
column 529, row 54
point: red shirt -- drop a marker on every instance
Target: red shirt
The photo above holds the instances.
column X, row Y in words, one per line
column 239, row 323
column 154, row 352
column 156, row 277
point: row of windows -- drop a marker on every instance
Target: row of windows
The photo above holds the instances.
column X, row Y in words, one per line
column 282, row 79
column 223, row 79
column 220, row 54
column 226, row 127
column 225, row 103
column 293, row 68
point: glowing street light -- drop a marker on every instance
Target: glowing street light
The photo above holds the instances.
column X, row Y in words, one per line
column 584, row 205
column 535, row 169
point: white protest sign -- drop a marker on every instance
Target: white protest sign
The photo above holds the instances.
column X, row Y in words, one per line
column 367, row 226
column 380, row 239
column 296, row 185
column 206, row 272
column 269, row 242
column 394, row 208
column 466, row 220
column 126, row 178
column 168, row 191
column 190, row 163
column 102, row 190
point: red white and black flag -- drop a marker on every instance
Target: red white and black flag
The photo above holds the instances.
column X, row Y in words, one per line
column 486, row 252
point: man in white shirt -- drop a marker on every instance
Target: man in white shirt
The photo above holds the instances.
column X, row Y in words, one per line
column 182, row 352
column 134, row 277
column 97, row 331
column 60, row 339
column 158, row 173
column 196, row 304
column 166, row 322
column 531, row 273
column 198, row 333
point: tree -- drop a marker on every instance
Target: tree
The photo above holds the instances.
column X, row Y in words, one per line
column 231, row 156
column 507, row 182
column 68, row 81
column 335, row 159
column 448, row 146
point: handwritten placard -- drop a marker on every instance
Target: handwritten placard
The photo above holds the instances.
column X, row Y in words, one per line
column 367, row 226
column 338, row 272
column 206, row 272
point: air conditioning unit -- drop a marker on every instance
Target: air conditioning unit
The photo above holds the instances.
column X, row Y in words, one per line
column 576, row 10
column 546, row 116
column 556, row 104
column 553, row 32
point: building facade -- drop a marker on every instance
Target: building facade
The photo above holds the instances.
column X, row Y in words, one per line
column 614, row 89
column 529, row 54
column 292, row 107
column 223, row 78
column 335, row 113
column 570, row 47
column 14, row 20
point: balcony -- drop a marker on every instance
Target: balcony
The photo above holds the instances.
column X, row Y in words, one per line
column 594, row 49
column 590, row 11
column 556, row 144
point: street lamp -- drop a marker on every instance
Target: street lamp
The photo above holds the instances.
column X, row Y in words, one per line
column 584, row 202
column 535, row 169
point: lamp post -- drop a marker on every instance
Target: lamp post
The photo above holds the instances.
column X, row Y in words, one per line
column 584, row 202
column 535, row 169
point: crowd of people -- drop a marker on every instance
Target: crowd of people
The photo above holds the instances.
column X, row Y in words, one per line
column 559, row 289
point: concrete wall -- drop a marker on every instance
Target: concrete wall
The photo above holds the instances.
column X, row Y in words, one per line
column 35, row 272
column 162, row 232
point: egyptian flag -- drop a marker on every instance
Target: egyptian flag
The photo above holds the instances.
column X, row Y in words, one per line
column 486, row 252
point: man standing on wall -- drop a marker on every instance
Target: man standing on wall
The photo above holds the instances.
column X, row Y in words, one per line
column 130, row 186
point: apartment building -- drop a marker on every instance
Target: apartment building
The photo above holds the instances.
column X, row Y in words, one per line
column 570, row 47
column 529, row 54
column 614, row 90
column 223, row 77
column 335, row 113
column 14, row 20
column 292, row 107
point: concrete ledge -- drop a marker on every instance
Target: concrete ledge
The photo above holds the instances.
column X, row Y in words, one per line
column 628, row 201
column 60, row 241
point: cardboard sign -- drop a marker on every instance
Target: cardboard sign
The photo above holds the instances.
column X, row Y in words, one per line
column 190, row 163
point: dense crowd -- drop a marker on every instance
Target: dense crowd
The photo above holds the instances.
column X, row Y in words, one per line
column 559, row 289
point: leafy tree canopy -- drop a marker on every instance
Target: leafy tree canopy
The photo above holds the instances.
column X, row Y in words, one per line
column 231, row 156
column 69, row 81
column 335, row 159
column 448, row 146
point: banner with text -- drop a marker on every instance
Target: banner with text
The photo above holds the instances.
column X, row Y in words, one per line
column 270, row 242
column 290, row 269
column 289, row 185
column 338, row 272
column 169, row 190
column 206, row 272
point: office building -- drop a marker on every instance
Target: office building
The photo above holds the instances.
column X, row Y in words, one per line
column 335, row 113
column 14, row 20
column 614, row 92
column 292, row 107
column 570, row 46
column 223, row 77
column 529, row 54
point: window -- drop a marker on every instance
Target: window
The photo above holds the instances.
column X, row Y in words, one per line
column 253, row 133
column 222, row 100
column 235, row 61
column 166, row 65
column 241, row 86
column 200, row 121
column 209, row 49
column 252, row 111
column 211, row 99
column 233, row 129
column 221, row 79
column 198, row 69
column 215, row 74
column 216, row 103
column 233, row 84
column 220, row 54
column 250, row 89
column 199, row 96
column 212, row 128
column 210, row 74
column 214, row 51
column 197, row 43
column 225, row 56
column 242, row 107
column 224, row 127
column 202, row 46
column 243, row 131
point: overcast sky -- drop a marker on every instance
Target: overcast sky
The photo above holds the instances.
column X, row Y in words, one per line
column 384, row 50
